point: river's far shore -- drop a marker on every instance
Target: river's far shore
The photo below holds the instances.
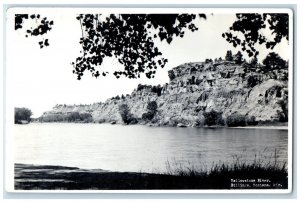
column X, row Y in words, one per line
column 264, row 127
column 252, row 176
column 275, row 126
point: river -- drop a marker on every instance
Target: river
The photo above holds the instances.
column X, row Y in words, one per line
column 139, row 148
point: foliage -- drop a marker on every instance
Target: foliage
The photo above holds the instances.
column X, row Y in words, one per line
column 171, row 75
column 228, row 56
column 213, row 118
column 130, row 38
column 69, row 117
column 42, row 26
column 251, row 120
column 152, row 110
column 252, row 81
column 178, row 176
column 208, row 60
column 141, row 87
column 273, row 61
column 236, row 120
column 22, row 114
column 250, row 25
column 283, row 116
column 116, row 97
column 156, row 89
column 238, row 58
column 126, row 116
column 152, row 106
column 147, row 116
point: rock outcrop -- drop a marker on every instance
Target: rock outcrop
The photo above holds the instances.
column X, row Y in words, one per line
column 195, row 88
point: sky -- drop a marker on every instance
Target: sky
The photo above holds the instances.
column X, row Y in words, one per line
column 41, row 78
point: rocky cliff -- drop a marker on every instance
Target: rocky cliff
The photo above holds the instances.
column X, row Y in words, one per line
column 196, row 88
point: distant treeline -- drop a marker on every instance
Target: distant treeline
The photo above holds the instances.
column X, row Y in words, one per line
column 68, row 117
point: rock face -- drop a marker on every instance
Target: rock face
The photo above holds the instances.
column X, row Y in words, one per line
column 195, row 88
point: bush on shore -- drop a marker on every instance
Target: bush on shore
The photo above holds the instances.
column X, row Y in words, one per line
column 126, row 115
column 235, row 120
column 22, row 114
column 251, row 120
column 213, row 118
column 152, row 110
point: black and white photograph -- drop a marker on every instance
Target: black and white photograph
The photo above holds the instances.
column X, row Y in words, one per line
column 149, row 99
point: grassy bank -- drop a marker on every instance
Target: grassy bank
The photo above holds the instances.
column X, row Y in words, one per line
column 222, row 176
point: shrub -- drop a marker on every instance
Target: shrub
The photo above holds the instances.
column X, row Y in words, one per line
column 152, row 110
column 171, row 74
column 127, row 117
column 156, row 89
column 74, row 116
column 236, row 120
column 273, row 61
column 238, row 58
column 251, row 121
column 22, row 114
column 283, row 115
column 147, row 116
column 208, row 60
column 141, row 87
column 86, row 117
column 252, row 81
column 228, row 56
column 152, row 106
column 213, row 118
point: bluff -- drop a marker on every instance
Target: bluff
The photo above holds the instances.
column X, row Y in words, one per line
column 194, row 90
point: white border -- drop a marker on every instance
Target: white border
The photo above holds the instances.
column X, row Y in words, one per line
column 9, row 163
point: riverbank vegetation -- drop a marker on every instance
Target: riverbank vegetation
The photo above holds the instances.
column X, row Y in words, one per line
column 22, row 115
column 238, row 175
column 69, row 117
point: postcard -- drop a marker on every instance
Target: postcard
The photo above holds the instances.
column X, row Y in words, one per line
column 160, row 100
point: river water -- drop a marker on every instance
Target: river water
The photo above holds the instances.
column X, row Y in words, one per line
column 146, row 149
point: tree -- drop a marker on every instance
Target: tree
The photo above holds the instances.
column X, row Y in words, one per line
column 236, row 120
column 130, row 38
column 273, row 61
column 126, row 116
column 208, row 60
column 152, row 106
column 252, row 81
column 238, row 58
column 171, row 75
column 40, row 26
column 246, row 31
column 152, row 110
column 228, row 56
column 157, row 89
column 22, row 114
column 213, row 118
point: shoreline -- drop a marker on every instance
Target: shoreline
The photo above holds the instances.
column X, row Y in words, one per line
column 263, row 127
column 47, row 177
column 260, row 126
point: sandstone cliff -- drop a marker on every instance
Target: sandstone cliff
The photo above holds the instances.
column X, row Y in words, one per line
column 196, row 88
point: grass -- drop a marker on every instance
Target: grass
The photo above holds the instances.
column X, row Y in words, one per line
column 238, row 175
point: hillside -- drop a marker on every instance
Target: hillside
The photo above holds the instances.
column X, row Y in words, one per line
column 195, row 90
